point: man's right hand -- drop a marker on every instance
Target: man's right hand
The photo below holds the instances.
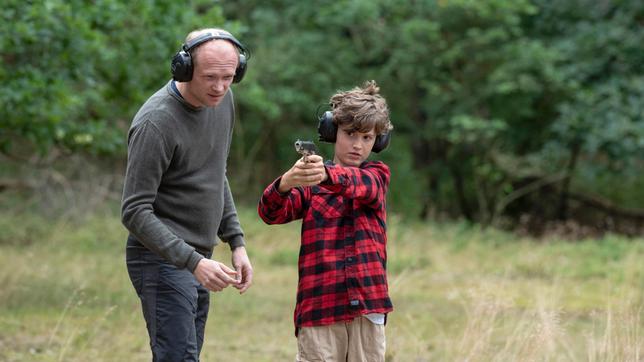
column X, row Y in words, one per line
column 213, row 275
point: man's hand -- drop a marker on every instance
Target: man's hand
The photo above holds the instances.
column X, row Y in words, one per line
column 304, row 173
column 241, row 263
column 213, row 275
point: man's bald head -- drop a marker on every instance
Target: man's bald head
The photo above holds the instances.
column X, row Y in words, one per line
column 222, row 44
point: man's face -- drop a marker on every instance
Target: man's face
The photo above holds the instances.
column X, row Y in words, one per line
column 353, row 147
column 214, row 71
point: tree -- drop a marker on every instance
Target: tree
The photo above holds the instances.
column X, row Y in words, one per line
column 74, row 72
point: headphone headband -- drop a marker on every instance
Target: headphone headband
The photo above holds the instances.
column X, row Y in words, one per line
column 182, row 65
column 224, row 35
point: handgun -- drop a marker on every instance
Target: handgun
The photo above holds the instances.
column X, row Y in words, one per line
column 305, row 148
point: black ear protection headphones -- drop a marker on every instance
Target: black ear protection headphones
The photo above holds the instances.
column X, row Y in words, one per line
column 328, row 131
column 182, row 65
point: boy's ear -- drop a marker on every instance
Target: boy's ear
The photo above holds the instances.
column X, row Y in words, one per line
column 327, row 131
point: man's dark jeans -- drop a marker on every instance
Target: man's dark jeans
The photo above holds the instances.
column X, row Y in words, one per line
column 175, row 305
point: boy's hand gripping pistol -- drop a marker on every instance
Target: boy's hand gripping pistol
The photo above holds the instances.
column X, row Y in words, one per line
column 305, row 148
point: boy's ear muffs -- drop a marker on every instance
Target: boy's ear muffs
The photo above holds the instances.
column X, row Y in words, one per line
column 382, row 141
column 182, row 65
column 327, row 132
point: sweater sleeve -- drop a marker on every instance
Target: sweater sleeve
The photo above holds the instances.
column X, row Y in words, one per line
column 230, row 230
column 367, row 184
column 148, row 156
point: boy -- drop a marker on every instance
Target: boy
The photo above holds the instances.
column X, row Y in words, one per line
column 342, row 294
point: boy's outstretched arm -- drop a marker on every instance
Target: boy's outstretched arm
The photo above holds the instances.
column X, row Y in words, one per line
column 367, row 184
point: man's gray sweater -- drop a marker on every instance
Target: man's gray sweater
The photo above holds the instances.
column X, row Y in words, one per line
column 176, row 196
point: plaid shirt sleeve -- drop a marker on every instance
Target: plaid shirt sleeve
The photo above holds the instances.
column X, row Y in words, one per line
column 280, row 208
column 366, row 185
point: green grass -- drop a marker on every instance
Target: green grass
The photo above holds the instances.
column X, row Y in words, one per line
column 460, row 293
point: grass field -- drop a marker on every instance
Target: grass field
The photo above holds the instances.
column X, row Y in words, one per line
column 460, row 294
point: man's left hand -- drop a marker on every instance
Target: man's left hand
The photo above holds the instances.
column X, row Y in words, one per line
column 244, row 269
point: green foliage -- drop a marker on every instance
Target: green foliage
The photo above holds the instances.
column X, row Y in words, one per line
column 470, row 84
column 602, row 63
column 74, row 72
column 492, row 101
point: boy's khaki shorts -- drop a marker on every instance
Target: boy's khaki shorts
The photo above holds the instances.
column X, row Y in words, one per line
column 355, row 341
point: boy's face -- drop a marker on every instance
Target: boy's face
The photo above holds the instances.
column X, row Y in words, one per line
column 353, row 147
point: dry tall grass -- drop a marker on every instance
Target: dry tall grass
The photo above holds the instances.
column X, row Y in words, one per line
column 460, row 294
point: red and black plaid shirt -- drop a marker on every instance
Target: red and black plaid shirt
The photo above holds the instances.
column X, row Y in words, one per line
column 343, row 255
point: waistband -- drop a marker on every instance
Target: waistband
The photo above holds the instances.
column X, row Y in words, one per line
column 133, row 242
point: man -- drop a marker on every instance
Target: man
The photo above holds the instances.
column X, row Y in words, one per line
column 176, row 197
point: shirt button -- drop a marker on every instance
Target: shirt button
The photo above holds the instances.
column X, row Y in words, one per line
column 349, row 260
column 354, row 303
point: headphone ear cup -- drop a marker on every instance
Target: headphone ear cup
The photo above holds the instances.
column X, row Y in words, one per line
column 181, row 66
column 382, row 141
column 241, row 69
column 327, row 131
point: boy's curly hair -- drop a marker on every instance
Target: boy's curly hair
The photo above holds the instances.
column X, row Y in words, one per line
column 362, row 109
